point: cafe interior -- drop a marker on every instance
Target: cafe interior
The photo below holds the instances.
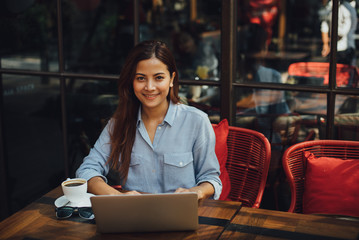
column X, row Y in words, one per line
column 256, row 63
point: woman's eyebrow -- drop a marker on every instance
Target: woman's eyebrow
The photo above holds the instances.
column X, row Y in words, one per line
column 160, row 73
column 156, row 74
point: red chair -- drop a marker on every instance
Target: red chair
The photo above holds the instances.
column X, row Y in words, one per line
column 249, row 154
column 294, row 163
column 346, row 75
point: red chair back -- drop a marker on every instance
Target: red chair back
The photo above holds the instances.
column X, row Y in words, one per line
column 346, row 75
column 294, row 163
column 249, row 154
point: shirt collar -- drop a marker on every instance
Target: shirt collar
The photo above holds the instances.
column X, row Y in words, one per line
column 170, row 115
column 139, row 116
column 171, row 112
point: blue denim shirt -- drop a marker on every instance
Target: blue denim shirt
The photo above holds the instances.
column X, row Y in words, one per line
column 182, row 154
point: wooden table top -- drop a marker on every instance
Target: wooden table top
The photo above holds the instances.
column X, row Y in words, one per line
column 218, row 220
column 38, row 221
column 252, row 223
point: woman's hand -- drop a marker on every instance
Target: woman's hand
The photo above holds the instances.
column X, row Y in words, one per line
column 98, row 186
column 203, row 190
column 198, row 191
column 131, row 192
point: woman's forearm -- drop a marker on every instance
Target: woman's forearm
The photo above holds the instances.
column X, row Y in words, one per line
column 204, row 190
column 98, row 186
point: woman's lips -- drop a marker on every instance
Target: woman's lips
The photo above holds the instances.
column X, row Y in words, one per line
column 150, row 96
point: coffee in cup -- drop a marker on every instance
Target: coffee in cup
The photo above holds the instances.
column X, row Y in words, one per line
column 75, row 189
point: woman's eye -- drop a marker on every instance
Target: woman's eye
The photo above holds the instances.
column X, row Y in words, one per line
column 140, row 78
column 159, row 77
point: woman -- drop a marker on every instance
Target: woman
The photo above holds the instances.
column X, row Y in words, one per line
column 155, row 143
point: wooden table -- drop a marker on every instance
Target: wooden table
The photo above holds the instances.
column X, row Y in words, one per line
column 252, row 223
column 218, row 220
column 38, row 221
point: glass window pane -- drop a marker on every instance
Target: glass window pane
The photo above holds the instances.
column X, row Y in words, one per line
column 258, row 108
column 317, row 74
column 347, row 26
column 32, row 129
column 90, row 104
column 287, row 36
column 28, row 32
column 206, row 98
column 191, row 29
column 97, row 35
column 346, row 119
column 284, row 117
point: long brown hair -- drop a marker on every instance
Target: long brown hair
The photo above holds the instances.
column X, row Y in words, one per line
column 124, row 120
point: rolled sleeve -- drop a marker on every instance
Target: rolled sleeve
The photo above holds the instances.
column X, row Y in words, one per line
column 206, row 164
column 324, row 27
column 217, row 185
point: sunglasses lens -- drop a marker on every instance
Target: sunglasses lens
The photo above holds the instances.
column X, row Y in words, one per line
column 64, row 212
column 86, row 213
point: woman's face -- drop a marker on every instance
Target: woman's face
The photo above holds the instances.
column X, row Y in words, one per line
column 152, row 83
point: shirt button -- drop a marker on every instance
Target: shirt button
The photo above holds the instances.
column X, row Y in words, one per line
column 180, row 163
column 159, row 128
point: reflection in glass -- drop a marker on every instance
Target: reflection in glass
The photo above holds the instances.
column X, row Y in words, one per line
column 90, row 104
column 258, row 108
column 32, row 124
column 346, row 119
column 284, row 117
column 275, row 34
column 191, row 29
column 97, row 35
column 317, row 74
column 347, row 25
column 206, row 98
column 28, row 32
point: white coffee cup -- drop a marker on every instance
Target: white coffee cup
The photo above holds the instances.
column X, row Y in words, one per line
column 75, row 189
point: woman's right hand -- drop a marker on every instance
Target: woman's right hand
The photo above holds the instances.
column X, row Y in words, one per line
column 131, row 193
column 98, row 186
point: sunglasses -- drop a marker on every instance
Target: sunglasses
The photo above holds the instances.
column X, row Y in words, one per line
column 66, row 212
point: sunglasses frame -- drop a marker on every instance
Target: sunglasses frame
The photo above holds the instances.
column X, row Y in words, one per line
column 73, row 210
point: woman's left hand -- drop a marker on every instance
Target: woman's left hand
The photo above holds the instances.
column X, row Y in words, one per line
column 198, row 191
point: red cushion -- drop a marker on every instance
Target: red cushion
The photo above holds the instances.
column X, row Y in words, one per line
column 331, row 186
column 221, row 131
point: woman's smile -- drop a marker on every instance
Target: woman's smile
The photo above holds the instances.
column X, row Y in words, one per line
column 151, row 96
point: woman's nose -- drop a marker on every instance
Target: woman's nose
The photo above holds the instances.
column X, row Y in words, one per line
column 150, row 85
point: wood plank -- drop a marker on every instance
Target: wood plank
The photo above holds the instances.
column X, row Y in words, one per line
column 266, row 224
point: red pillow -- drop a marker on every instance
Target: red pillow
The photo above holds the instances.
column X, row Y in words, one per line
column 331, row 186
column 221, row 131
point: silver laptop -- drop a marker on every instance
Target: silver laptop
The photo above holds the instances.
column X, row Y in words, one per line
column 146, row 212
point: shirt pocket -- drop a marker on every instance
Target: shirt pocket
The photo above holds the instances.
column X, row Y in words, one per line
column 178, row 171
column 135, row 170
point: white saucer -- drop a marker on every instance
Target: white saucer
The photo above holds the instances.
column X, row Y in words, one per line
column 63, row 201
